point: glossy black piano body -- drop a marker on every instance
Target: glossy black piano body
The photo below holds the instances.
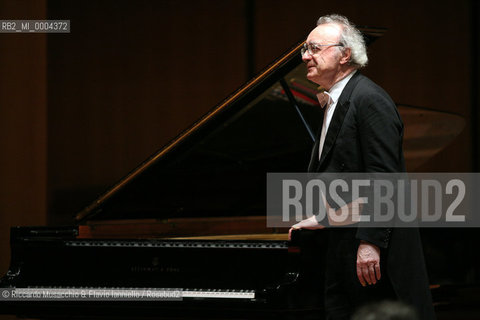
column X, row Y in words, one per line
column 217, row 278
column 191, row 217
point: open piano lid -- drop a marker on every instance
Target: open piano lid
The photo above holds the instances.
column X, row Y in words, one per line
column 218, row 166
column 216, row 169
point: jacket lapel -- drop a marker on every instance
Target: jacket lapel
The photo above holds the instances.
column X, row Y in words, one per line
column 312, row 165
column 341, row 110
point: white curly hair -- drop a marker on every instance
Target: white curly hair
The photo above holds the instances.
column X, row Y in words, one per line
column 350, row 37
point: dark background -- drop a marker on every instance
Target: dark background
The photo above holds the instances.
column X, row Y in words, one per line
column 78, row 111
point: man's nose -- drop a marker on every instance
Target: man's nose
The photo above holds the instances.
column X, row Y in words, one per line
column 306, row 56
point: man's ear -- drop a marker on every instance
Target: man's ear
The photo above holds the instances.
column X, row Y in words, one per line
column 346, row 55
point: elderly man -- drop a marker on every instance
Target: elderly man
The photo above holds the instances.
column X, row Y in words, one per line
column 362, row 132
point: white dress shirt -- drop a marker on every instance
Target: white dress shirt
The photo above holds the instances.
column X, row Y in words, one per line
column 334, row 94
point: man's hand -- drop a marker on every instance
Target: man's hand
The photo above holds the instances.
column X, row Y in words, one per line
column 310, row 223
column 368, row 263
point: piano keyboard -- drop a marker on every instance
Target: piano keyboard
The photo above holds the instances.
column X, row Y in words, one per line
column 107, row 293
column 229, row 294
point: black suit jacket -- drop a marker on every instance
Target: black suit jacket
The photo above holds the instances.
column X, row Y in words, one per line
column 365, row 135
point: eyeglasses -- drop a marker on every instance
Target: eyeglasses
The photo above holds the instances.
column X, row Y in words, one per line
column 314, row 48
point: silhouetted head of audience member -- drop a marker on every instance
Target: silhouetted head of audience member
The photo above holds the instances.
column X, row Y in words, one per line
column 386, row 310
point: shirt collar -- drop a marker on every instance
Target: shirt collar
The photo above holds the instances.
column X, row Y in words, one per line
column 338, row 87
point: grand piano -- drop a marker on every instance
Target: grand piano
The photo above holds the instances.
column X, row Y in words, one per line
column 191, row 218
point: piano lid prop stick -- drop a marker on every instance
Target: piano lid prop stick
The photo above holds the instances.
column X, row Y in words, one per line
column 292, row 100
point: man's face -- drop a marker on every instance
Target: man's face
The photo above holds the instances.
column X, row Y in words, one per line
column 325, row 64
